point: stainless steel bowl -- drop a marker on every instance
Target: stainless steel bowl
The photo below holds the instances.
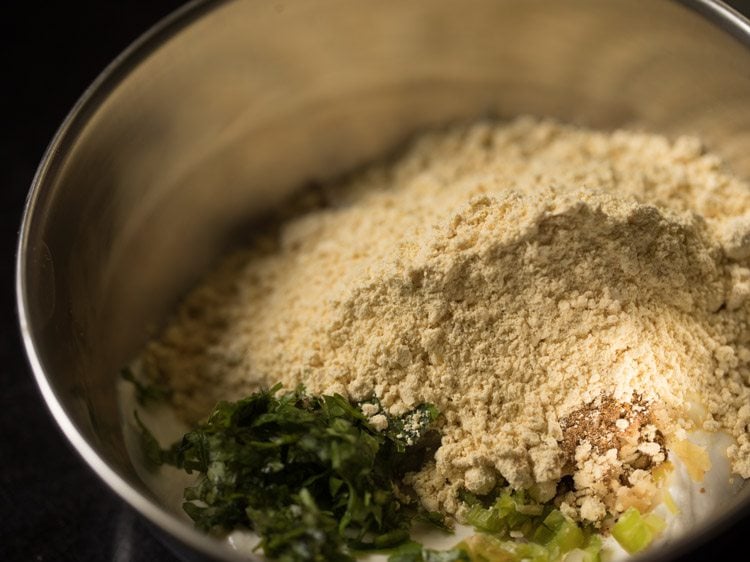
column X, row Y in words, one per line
column 225, row 107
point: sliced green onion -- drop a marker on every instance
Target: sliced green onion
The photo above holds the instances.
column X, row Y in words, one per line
column 590, row 553
column 486, row 548
column 559, row 533
column 635, row 532
column 483, row 519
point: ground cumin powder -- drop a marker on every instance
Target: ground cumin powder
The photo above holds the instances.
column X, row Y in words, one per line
column 570, row 300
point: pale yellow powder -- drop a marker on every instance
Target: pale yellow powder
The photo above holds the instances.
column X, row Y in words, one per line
column 510, row 274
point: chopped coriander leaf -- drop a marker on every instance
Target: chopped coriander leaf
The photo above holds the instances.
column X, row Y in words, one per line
column 152, row 452
column 299, row 531
column 307, row 473
column 145, row 393
column 409, row 429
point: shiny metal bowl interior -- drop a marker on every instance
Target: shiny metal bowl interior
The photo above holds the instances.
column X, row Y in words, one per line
column 226, row 107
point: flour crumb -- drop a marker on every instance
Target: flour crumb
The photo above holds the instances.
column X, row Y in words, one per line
column 379, row 422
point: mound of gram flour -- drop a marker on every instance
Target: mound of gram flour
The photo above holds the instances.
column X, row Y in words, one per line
column 572, row 301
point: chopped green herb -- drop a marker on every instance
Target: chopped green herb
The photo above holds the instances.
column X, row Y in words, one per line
column 145, row 393
column 411, row 428
column 152, row 452
column 307, row 473
column 299, row 531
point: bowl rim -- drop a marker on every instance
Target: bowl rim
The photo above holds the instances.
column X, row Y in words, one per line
column 716, row 12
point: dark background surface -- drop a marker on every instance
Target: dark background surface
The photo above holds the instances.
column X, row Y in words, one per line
column 52, row 507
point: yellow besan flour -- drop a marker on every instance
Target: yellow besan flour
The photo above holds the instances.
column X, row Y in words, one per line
column 572, row 301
